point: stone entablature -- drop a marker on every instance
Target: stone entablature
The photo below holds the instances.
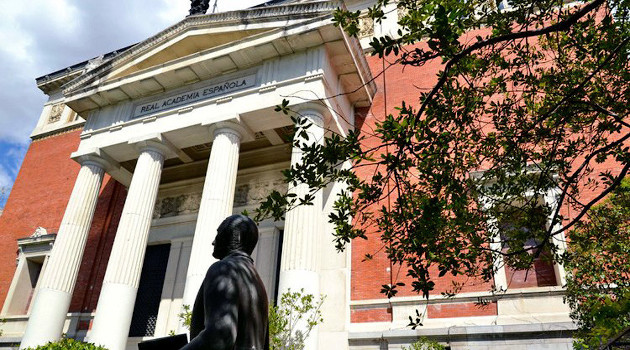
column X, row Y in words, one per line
column 254, row 192
column 187, row 203
column 309, row 73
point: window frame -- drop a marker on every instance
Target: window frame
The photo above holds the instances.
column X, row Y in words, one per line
column 549, row 198
column 35, row 247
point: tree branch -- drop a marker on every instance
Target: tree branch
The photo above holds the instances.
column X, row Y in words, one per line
column 560, row 26
column 614, row 185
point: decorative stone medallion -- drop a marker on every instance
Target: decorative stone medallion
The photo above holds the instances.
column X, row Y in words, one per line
column 55, row 113
column 366, row 27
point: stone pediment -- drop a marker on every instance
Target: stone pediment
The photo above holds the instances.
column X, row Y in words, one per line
column 204, row 46
column 190, row 42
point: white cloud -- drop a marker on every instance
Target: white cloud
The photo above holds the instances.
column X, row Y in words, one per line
column 5, row 179
column 42, row 36
column 13, row 158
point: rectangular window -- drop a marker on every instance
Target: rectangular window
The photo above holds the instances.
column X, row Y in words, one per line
column 31, row 264
column 149, row 295
column 515, row 221
column 25, row 286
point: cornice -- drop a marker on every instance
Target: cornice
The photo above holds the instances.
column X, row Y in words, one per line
column 52, row 133
column 57, row 79
column 358, row 57
column 518, row 293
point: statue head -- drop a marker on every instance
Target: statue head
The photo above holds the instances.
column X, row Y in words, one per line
column 237, row 232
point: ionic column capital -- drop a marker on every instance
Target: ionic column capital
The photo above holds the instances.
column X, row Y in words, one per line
column 155, row 143
column 232, row 127
column 95, row 157
column 313, row 111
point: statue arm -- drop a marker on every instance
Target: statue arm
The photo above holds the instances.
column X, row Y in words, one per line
column 220, row 298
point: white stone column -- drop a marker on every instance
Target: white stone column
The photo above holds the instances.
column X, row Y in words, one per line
column 51, row 304
column 217, row 201
column 120, row 285
column 299, row 265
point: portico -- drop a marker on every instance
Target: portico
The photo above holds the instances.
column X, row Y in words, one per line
column 191, row 110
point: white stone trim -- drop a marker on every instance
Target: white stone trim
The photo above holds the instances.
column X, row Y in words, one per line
column 462, row 297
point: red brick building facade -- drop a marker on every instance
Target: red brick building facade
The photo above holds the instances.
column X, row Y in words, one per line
column 530, row 315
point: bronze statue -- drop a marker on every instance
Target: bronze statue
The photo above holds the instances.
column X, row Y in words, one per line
column 231, row 309
column 199, row 7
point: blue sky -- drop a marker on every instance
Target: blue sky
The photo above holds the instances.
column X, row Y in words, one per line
column 42, row 36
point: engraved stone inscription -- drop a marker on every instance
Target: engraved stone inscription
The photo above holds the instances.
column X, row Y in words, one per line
column 179, row 205
column 200, row 94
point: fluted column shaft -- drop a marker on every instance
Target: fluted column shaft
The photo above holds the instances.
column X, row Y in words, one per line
column 217, row 201
column 299, row 265
column 120, row 285
column 50, row 307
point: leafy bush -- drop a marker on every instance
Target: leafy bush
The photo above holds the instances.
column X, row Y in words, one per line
column 286, row 320
column 68, row 344
column 185, row 316
column 293, row 319
column 425, row 344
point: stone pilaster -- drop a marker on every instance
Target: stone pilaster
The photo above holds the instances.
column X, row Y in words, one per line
column 299, row 265
column 120, row 285
column 51, row 304
column 217, row 201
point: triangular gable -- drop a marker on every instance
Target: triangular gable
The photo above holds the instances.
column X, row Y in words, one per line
column 186, row 45
column 196, row 34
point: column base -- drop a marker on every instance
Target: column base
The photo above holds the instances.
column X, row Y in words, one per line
column 47, row 319
column 113, row 316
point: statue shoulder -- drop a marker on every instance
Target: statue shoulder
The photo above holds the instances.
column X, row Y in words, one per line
column 223, row 266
